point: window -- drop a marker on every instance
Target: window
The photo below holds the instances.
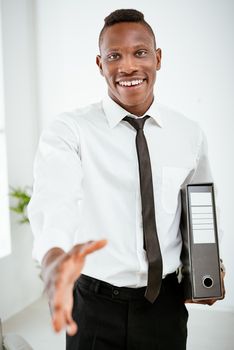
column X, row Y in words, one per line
column 5, row 241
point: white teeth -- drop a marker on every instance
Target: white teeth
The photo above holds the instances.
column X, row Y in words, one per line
column 130, row 83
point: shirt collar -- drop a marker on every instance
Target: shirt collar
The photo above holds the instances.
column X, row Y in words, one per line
column 115, row 113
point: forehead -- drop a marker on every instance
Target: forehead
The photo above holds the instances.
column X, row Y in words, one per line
column 126, row 34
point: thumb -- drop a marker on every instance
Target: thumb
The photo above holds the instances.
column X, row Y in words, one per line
column 92, row 246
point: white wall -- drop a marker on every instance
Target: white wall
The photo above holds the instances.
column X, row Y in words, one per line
column 5, row 236
column 196, row 77
column 20, row 284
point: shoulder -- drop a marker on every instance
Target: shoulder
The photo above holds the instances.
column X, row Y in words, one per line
column 177, row 122
column 66, row 126
column 80, row 115
column 75, row 119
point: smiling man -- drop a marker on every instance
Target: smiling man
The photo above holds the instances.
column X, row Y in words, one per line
column 129, row 64
column 107, row 182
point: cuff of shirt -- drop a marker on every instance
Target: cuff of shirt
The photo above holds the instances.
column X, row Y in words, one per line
column 49, row 240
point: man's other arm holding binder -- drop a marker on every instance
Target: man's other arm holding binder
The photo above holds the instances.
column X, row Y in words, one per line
column 202, row 174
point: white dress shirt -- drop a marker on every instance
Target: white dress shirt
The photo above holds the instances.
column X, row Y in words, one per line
column 87, row 187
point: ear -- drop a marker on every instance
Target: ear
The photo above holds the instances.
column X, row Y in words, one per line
column 99, row 63
column 158, row 58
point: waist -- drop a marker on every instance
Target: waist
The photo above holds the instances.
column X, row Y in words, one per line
column 96, row 286
column 130, row 272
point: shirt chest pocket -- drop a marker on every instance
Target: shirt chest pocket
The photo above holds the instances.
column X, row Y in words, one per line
column 172, row 179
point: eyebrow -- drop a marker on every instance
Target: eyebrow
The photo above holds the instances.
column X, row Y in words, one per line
column 135, row 47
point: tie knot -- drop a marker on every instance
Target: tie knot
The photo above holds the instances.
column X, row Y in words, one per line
column 136, row 123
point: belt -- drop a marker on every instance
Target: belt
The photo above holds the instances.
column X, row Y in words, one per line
column 124, row 293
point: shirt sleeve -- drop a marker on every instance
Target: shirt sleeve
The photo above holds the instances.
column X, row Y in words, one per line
column 57, row 191
column 203, row 173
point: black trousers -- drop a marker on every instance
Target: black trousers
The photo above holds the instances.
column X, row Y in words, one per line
column 119, row 318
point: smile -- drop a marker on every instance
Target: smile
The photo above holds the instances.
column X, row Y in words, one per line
column 131, row 82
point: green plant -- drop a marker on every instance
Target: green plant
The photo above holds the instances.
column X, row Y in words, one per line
column 21, row 196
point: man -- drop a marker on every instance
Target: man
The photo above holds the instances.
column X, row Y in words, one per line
column 94, row 192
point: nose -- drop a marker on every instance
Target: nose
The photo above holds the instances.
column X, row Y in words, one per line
column 128, row 65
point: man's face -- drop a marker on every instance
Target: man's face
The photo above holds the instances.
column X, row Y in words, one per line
column 129, row 62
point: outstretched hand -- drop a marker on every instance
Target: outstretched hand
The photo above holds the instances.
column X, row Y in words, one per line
column 59, row 277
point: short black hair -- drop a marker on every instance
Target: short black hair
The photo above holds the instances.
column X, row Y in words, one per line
column 125, row 15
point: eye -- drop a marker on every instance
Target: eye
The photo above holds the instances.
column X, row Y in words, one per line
column 113, row 56
column 141, row 53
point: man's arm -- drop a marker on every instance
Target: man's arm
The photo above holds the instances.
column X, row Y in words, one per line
column 54, row 216
column 201, row 174
column 60, row 270
column 54, row 208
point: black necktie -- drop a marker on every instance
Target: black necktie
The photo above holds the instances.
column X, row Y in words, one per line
column 148, row 212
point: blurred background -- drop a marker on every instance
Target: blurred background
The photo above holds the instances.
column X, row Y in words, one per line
column 47, row 66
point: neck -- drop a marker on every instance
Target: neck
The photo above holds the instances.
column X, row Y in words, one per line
column 137, row 110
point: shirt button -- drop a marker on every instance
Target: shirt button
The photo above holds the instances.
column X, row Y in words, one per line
column 115, row 292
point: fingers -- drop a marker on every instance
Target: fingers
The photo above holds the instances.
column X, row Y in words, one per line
column 72, row 327
column 92, row 247
column 58, row 321
column 203, row 302
column 222, row 284
column 62, row 310
column 62, row 320
column 188, row 301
